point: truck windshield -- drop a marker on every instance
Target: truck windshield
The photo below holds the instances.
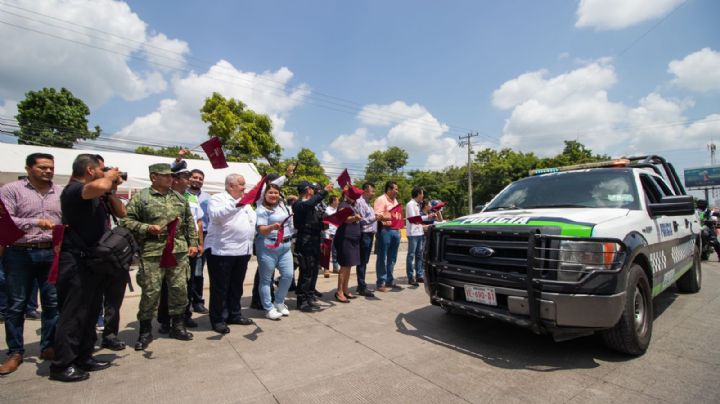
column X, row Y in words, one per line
column 605, row 188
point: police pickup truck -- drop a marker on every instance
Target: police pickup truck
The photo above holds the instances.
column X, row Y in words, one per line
column 573, row 250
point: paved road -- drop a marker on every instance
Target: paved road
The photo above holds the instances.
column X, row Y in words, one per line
column 396, row 349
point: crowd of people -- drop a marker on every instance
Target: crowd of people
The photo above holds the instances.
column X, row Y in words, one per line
column 180, row 229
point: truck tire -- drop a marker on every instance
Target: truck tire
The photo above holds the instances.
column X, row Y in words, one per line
column 691, row 281
column 631, row 334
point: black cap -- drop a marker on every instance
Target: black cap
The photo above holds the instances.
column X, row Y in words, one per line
column 302, row 186
column 178, row 166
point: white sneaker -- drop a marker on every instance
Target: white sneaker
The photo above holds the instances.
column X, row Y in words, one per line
column 283, row 309
column 273, row 314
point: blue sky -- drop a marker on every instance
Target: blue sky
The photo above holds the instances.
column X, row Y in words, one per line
column 346, row 78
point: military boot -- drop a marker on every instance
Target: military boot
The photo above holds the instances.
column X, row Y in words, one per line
column 145, row 337
column 178, row 330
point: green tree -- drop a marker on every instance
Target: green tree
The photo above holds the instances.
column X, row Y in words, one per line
column 53, row 118
column 573, row 153
column 385, row 164
column 171, row 151
column 493, row 170
column 245, row 134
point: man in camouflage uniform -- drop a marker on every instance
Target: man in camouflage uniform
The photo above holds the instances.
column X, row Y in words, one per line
column 149, row 212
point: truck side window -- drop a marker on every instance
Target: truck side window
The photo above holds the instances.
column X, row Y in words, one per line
column 662, row 186
column 651, row 190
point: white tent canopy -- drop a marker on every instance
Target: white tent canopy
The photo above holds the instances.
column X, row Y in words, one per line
column 12, row 165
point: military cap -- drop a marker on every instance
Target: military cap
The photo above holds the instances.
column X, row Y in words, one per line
column 160, row 168
column 182, row 173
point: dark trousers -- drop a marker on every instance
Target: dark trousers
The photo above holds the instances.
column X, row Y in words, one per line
column 197, row 282
column 366, row 244
column 227, row 274
column 80, row 298
column 309, row 261
column 163, row 314
column 113, row 294
column 25, row 268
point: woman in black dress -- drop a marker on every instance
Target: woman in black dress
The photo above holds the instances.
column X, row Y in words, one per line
column 347, row 240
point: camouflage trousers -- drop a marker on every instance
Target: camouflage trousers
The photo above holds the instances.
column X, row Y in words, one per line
column 150, row 278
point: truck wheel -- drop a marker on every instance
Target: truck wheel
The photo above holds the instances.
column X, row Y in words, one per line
column 691, row 281
column 632, row 333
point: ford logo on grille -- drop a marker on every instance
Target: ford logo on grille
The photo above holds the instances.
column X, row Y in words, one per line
column 481, row 251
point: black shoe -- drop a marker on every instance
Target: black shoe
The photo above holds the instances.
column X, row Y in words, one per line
column 256, row 306
column 69, row 374
column 32, row 315
column 92, row 365
column 309, row 308
column 412, row 281
column 145, row 337
column 221, row 328
column 365, row 292
column 393, row 286
column 164, row 328
column 420, row 280
column 113, row 344
column 241, row 320
column 190, row 323
column 177, row 329
column 200, row 308
column 317, row 294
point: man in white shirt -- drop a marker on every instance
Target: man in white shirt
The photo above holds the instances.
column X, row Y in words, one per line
column 228, row 248
column 416, row 237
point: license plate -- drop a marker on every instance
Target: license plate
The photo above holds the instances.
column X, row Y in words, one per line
column 481, row 294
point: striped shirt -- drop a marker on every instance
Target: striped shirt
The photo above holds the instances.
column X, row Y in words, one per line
column 27, row 206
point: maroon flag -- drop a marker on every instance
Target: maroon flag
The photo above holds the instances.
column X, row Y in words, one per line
column 254, row 194
column 325, row 249
column 9, row 232
column 396, row 220
column 437, row 206
column 167, row 260
column 58, row 234
column 338, row 218
column 415, row 219
column 280, row 234
column 344, row 179
column 215, row 153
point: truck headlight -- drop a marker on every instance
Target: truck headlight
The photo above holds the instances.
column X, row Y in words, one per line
column 578, row 258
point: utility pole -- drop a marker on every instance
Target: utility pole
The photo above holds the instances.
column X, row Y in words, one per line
column 465, row 141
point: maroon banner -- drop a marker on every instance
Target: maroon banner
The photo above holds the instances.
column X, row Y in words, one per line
column 338, row 218
column 344, row 179
column 58, row 234
column 415, row 219
column 437, row 206
column 9, row 232
column 396, row 219
column 280, row 234
column 253, row 195
column 325, row 249
column 167, row 260
column 214, row 151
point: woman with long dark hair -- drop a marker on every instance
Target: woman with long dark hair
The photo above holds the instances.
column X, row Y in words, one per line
column 273, row 249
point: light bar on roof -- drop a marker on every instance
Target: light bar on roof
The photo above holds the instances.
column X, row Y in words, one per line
column 598, row 164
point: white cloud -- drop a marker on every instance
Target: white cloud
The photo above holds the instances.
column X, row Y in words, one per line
column 386, row 115
column 96, row 72
column 576, row 106
column 357, row 145
column 165, row 53
column 447, row 153
column 177, row 120
column 699, row 71
column 8, row 110
column 619, row 14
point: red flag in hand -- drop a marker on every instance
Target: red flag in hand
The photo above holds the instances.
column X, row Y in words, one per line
column 254, row 194
column 58, row 234
column 280, row 234
column 415, row 219
column 344, row 179
column 437, row 206
column 325, row 249
column 396, row 220
column 167, row 260
column 338, row 218
column 9, row 232
column 214, row 151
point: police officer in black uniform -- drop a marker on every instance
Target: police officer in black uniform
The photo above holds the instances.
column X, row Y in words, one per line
column 308, row 215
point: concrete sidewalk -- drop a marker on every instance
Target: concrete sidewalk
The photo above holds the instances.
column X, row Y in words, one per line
column 396, row 349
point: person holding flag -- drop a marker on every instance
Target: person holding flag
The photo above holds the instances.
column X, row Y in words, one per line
column 273, row 249
column 163, row 226
column 388, row 207
column 347, row 240
column 416, row 236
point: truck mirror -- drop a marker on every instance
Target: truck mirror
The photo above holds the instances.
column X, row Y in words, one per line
column 681, row 205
